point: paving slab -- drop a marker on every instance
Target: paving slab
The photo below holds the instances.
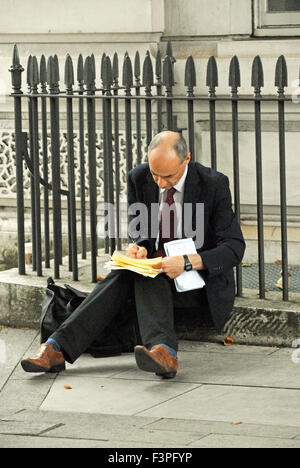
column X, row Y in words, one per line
column 250, row 369
column 233, row 403
column 224, row 441
column 207, row 347
column 101, row 367
column 13, row 343
column 24, row 427
column 112, row 404
column 109, row 396
column 114, row 422
column 132, row 435
column 226, row 428
column 28, row 393
column 12, row 441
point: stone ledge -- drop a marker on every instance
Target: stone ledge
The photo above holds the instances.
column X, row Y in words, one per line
column 268, row 322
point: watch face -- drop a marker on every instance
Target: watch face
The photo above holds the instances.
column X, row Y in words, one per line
column 188, row 266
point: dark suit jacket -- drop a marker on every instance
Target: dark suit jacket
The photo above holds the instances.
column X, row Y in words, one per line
column 223, row 246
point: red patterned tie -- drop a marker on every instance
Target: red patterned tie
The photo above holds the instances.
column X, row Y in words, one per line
column 167, row 223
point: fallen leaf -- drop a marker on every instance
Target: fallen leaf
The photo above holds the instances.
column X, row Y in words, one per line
column 100, row 278
column 247, row 265
column 236, row 423
column 67, row 387
column 228, row 341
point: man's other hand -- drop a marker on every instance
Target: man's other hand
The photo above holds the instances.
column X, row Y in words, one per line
column 173, row 266
column 135, row 251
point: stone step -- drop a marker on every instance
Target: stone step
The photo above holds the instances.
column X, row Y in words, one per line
column 267, row 322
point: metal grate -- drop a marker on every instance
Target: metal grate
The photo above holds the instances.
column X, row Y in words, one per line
column 272, row 275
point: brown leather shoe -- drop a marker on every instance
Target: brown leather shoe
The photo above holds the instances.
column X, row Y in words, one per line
column 157, row 360
column 45, row 359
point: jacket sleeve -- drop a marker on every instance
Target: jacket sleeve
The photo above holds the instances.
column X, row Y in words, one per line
column 230, row 244
column 142, row 240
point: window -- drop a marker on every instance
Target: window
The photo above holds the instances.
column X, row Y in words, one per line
column 277, row 17
column 283, row 5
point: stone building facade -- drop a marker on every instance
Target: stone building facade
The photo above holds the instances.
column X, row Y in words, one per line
column 200, row 28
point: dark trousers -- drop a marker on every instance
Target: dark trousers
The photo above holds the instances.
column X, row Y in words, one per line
column 155, row 300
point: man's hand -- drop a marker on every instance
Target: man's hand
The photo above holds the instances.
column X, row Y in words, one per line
column 173, row 266
column 135, row 251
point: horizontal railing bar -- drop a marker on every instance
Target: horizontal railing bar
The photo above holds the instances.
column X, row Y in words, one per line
column 165, row 98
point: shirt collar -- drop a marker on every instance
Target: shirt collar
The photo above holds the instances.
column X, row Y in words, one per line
column 180, row 185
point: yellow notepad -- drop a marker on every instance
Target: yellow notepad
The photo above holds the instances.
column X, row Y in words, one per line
column 146, row 267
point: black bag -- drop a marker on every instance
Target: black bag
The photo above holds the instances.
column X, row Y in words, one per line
column 121, row 335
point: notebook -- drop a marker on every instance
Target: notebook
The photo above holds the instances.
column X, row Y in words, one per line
column 188, row 280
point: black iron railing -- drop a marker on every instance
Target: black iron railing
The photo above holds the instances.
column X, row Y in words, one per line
column 157, row 100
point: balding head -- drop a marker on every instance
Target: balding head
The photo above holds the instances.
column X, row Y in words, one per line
column 168, row 158
column 171, row 140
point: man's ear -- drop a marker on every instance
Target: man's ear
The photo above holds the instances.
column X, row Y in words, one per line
column 188, row 158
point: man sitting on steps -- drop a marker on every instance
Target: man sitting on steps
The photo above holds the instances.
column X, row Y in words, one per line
column 170, row 178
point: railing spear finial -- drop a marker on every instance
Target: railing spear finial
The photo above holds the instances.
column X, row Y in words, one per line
column 107, row 76
column 148, row 78
column 115, row 70
column 137, row 68
column 127, row 75
column 257, row 78
column 212, row 79
column 281, row 75
column 34, row 75
column 190, row 76
column 43, row 74
column 168, row 76
column 69, row 74
column 234, row 75
column 16, row 72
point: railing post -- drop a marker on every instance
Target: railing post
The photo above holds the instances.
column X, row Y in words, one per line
column 105, row 162
column 190, row 83
column 69, row 82
column 281, row 81
column 52, row 80
column 34, row 81
column 168, row 79
column 212, row 83
column 81, row 156
column 128, row 83
column 115, row 74
column 43, row 80
column 31, row 153
column 258, row 82
column 158, row 91
column 148, row 81
column 16, row 77
column 235, row 83
column 108, row 81
column 89, row 79
column 137, row 73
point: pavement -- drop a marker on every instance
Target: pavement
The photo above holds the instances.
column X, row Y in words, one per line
column 236, row 396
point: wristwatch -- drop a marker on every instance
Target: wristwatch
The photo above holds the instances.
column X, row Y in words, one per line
column 187, row 264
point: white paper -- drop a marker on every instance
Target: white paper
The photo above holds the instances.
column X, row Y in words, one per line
column 188, row 280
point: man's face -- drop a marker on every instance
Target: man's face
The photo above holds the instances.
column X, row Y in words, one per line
column 166, row 169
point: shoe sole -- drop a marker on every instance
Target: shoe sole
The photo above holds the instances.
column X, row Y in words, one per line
column 147, row 364
column 33, row 368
